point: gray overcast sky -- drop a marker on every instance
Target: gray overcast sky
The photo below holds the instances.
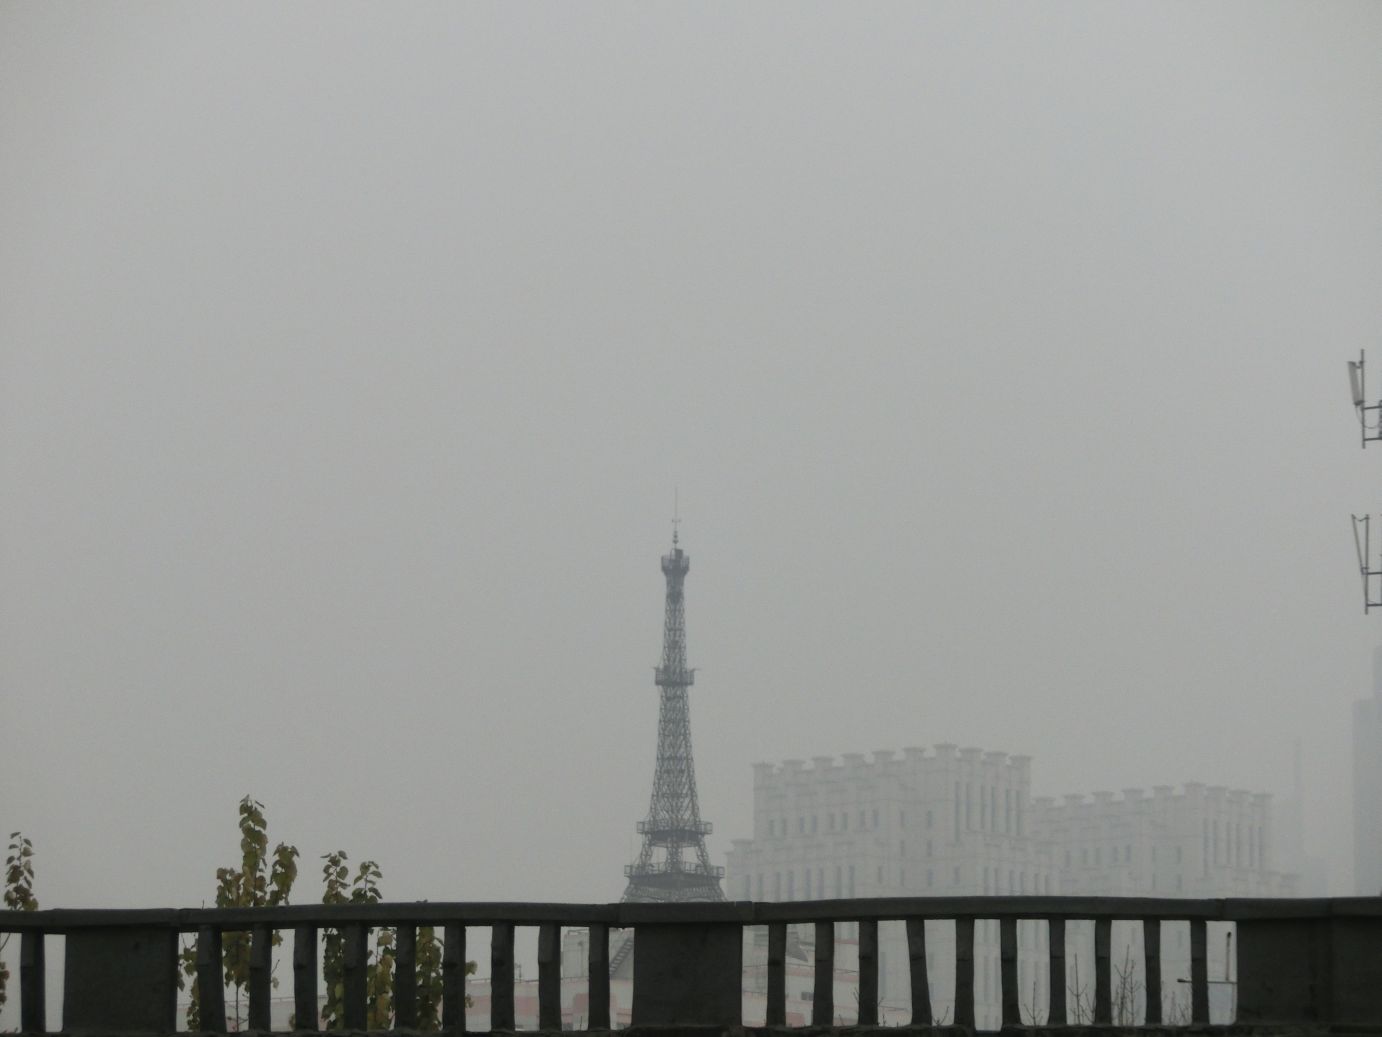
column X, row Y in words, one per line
column 351, row 356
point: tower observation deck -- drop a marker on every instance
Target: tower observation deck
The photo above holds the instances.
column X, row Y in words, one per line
column 673, row 865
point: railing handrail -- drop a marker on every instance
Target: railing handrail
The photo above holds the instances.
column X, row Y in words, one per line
column 1298, row 960
column 743, row 912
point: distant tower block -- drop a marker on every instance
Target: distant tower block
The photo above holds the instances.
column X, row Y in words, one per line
column 673, row 865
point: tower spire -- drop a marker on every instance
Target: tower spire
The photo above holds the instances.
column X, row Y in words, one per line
column 674, row 864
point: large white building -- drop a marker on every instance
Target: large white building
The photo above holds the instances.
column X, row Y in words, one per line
column 1367, row 787
column 954, row 821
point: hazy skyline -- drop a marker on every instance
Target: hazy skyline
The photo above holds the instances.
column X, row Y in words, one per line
column 351, row 356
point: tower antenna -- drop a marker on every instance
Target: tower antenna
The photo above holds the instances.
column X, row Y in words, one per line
column 1357, row 383
column 1362, row 525
column 676, row 514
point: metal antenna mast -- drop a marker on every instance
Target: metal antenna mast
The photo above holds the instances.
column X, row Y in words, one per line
column 1362, row 524
column 673, row 865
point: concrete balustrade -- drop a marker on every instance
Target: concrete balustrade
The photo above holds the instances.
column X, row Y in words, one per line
column 1313, row 963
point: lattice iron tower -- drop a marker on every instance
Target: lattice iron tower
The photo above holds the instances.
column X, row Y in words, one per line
column 673, row 865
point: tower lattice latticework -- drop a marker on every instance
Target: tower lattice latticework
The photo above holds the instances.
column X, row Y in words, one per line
column 674, row 865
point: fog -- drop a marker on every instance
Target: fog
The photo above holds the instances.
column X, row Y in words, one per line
column 352, row 357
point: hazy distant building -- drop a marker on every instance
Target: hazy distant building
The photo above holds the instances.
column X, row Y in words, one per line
column 1289, row 840
column 1367, row 786
column 948, row 822
column 963, row 822
column 1207, row 841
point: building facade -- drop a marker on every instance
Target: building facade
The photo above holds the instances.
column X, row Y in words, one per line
column 1367, row 787
column 961, row 821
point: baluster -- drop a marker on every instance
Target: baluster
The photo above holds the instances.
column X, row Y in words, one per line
column 964, row 972
column 261, row 976
column 598, row 991
column 777, row 974
column 32, row 991
column 405, row 978
column 501, row 976
column 1151, row 968
column 1103, row 930
column 868, row 973
column 354, row 978
column 1199, row 971
column 305, row 1004
column 211, row 984
column 921, row 984
column 1055, row 940
column 453, row 979
column 823, row 996
column 1007, row 952
column 549, row 976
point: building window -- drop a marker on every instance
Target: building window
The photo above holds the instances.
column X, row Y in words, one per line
column 813, row 824
column 777, row 885
column 806, row 884
column 902, row 848
column 929, row 848
column 839, row 881
column 748, row 889
column 861, row 821
column 930, row 819
column 844, row 820
column 930, row 878
column 875, row 819
column 851, row 880
column 791, row 885
column 760, row 885
column 902, row 818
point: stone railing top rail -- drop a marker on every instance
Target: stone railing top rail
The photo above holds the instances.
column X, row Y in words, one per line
column 480, row 913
